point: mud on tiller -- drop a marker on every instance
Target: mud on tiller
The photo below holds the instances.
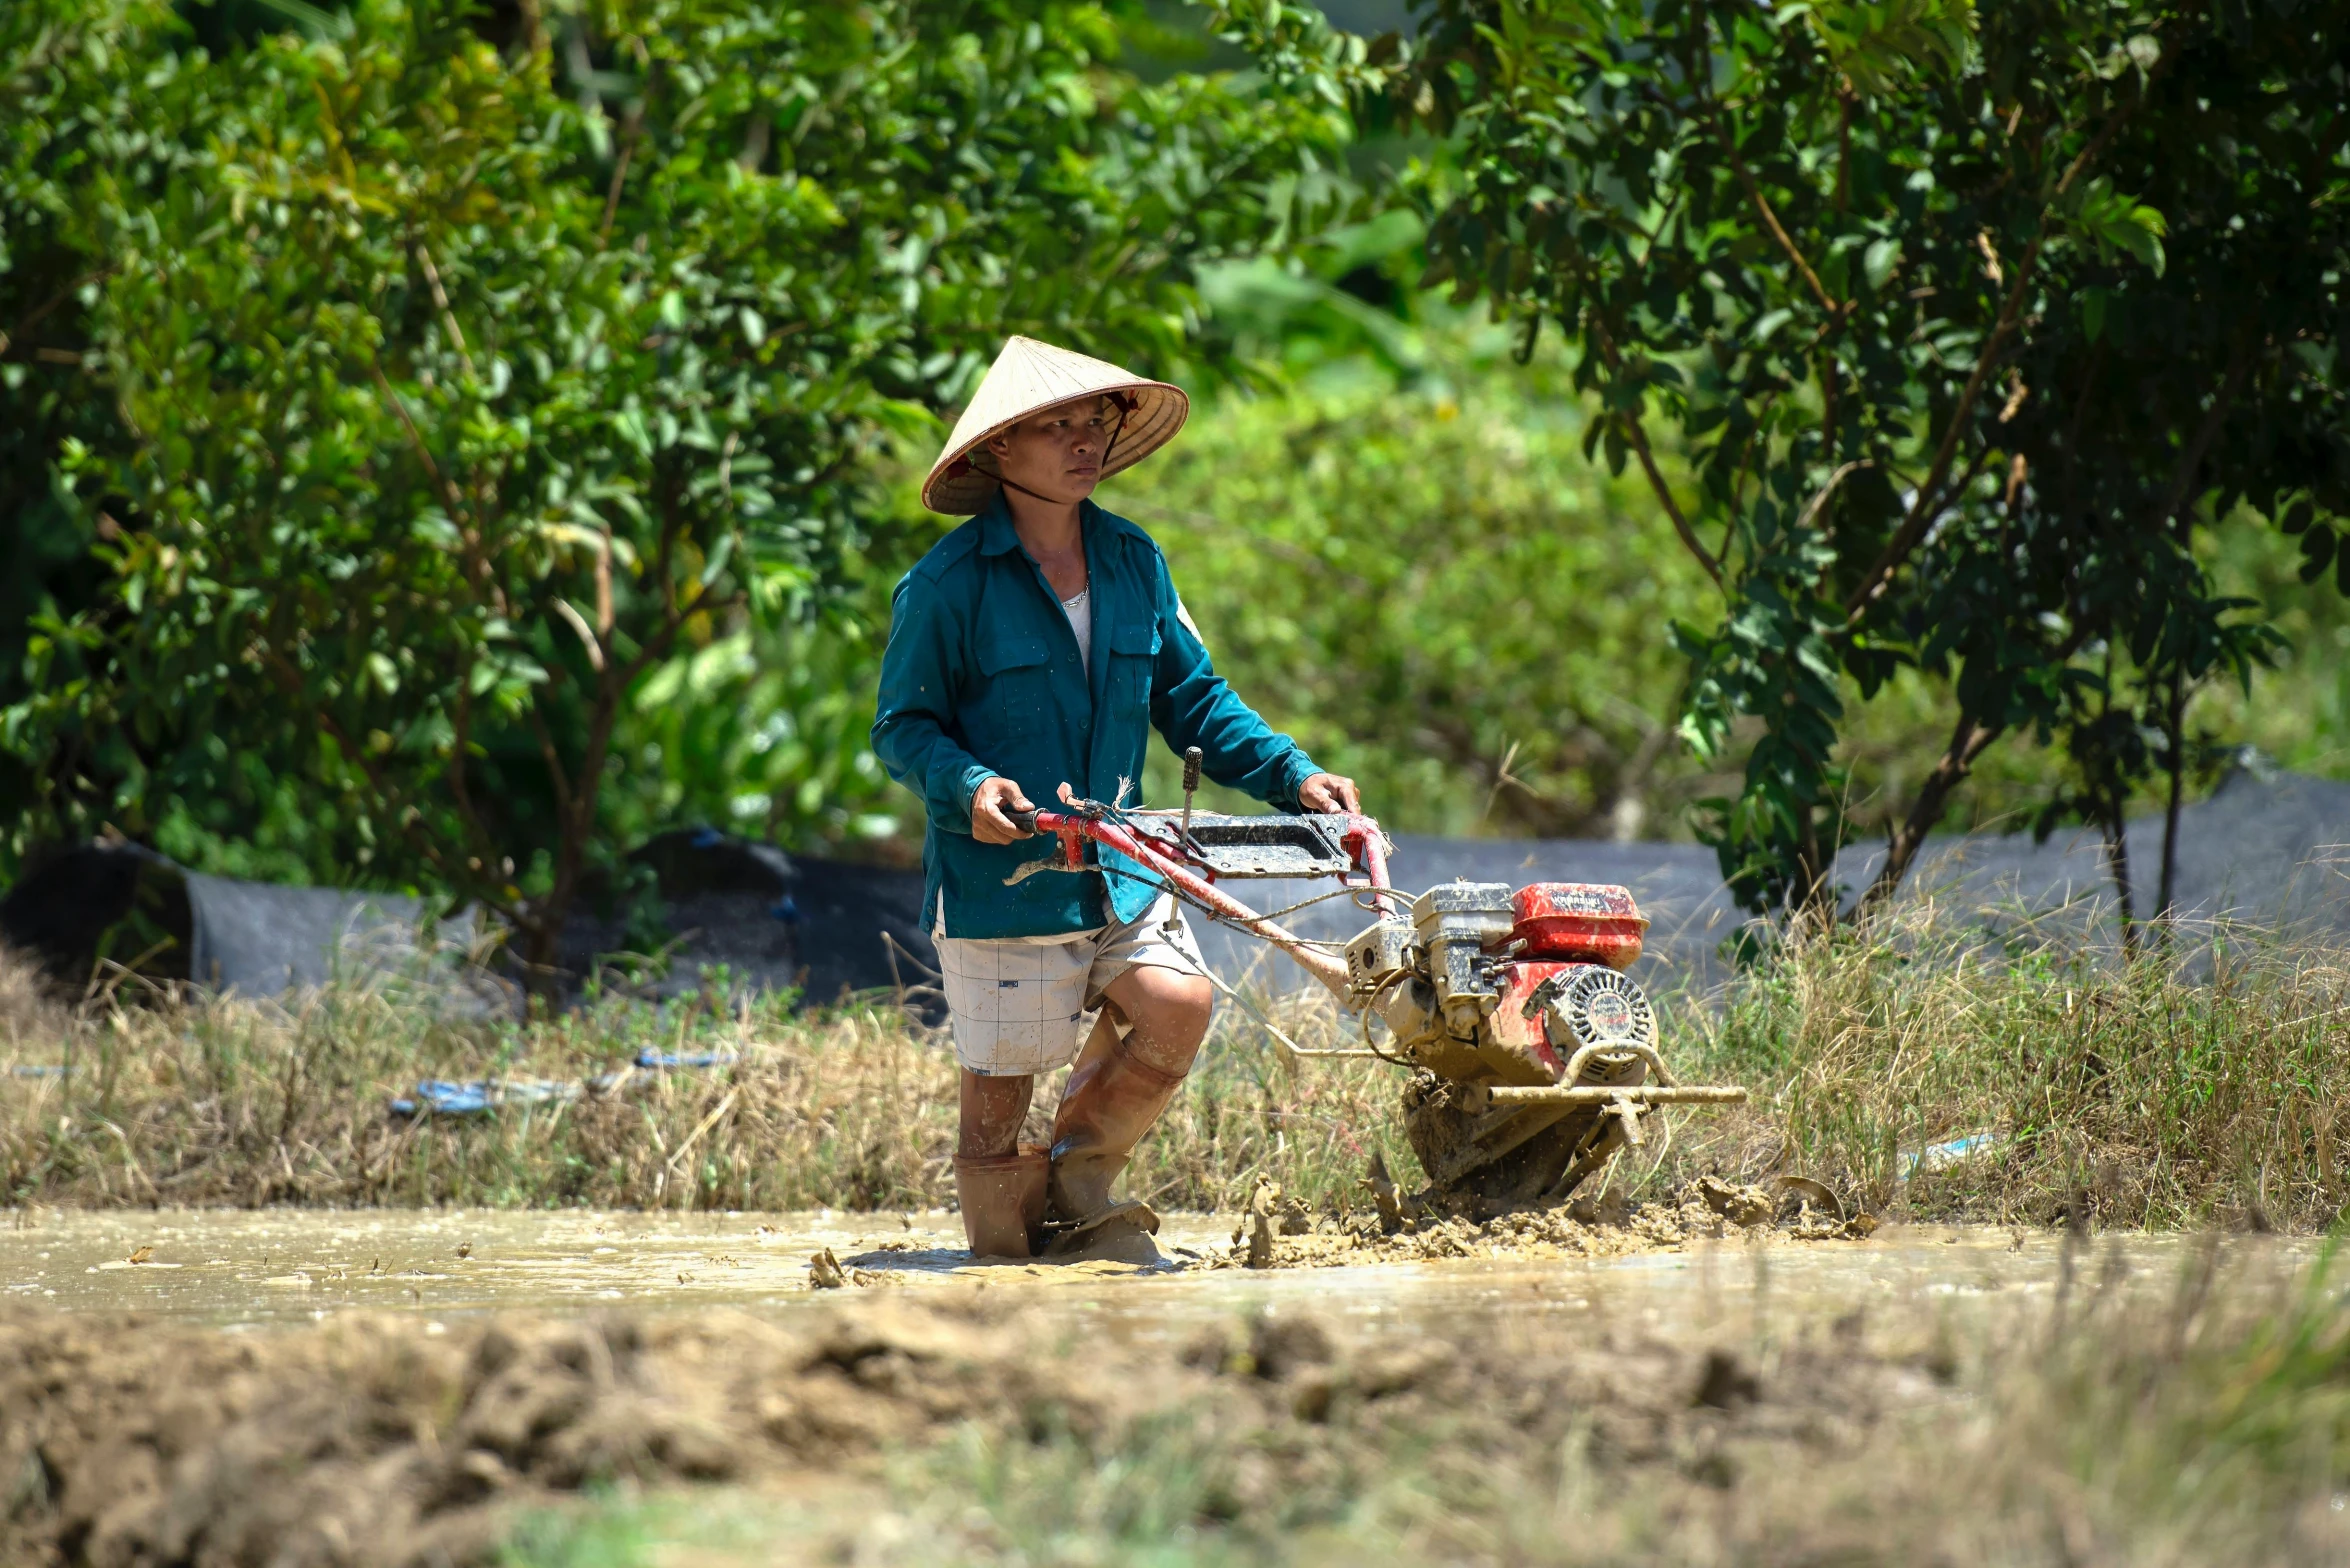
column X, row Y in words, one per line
column 1534, row 1055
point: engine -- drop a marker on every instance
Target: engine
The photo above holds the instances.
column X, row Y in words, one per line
column 1505, row 999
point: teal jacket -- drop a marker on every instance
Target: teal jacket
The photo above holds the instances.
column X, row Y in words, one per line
column 982, row 676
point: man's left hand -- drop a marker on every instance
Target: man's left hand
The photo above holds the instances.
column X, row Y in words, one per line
column 1329, row 793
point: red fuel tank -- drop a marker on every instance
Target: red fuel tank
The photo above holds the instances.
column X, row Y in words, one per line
column 1586, row 921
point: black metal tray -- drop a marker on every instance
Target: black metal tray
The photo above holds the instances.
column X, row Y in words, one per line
column 1266, row 846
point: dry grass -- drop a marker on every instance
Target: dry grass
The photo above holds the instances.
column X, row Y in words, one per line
column 242, row 1103
column 31, row 1017
column 2139, row 1096
column 2208, row 1088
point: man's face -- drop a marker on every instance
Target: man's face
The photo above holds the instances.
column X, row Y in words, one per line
column 1057, row 454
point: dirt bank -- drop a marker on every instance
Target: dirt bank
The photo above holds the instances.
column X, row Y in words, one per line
column 378, row 1440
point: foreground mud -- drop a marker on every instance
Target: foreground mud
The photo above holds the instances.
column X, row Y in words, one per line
column 1930, row 1396
column 375, row 1440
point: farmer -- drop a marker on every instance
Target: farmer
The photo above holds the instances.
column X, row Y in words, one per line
column 1030, row 654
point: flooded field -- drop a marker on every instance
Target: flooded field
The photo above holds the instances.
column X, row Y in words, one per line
column 245, row 1269
column 574, row 1388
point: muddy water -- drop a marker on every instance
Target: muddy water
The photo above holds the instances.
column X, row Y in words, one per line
column 256, row 1269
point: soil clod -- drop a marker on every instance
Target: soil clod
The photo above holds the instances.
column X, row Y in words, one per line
column 1725, row 1384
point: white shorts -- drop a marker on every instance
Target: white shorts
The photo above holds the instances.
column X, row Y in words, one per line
column 1021, row 1004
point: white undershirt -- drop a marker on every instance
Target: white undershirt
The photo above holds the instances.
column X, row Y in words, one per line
column 1080, row 613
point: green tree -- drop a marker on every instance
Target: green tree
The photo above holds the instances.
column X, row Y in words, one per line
column 1963, row 324
column 1435, row 593
column 68, row 104
column 464, row 392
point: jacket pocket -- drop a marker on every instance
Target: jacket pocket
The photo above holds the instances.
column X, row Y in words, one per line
column 1019, row 694
column 1134, row 651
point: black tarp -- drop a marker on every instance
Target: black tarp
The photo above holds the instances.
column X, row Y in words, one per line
column 722, row 904
column 770, row 920
column 2269, row 851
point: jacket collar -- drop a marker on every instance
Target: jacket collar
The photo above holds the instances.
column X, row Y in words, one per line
column 997, row 536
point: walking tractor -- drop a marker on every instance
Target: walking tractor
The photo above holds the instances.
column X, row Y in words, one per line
column 1533, row 1055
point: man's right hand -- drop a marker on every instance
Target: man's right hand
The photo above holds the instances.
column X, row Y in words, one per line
column 989, row 803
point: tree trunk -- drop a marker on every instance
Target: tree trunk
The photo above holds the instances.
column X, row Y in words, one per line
column 1967, row 743
column 2175, row 513
column 2117, row 860
column 2166, row 907
column 542, row 972
column 571, row 850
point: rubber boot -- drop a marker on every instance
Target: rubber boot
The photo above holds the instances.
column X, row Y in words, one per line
column 1003, row 1198
column 1111, row 1101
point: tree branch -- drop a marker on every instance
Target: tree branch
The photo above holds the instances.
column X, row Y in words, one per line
column 587, row 635
column 1811, row 508
column 2191, row 459
column 1637, row 435
column 631, row 123
column 1770, row 219
column 33, row 317
column 1929, row 498
column 440, row 299
column 408, row 820
column 1967, row 742
column 460, row 785
column 449, row 491
column 557, row 778
column 1927, row 504
column 1664, row 495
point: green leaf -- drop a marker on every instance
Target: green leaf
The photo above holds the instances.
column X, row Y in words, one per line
column 1879, row 261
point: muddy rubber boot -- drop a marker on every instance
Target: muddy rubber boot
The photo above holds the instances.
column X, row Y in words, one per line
column 1003, row 1197
column 1109, row 1104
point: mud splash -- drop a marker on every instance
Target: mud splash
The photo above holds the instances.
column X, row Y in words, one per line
column 1281, row 1234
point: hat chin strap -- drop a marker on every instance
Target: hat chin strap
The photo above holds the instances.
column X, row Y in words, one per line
column 1126, row 402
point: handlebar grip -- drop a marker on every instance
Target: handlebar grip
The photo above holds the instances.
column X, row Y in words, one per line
column 1025, row 821
column 1192, row 758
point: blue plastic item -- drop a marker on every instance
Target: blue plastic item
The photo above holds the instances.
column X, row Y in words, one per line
column 650, row 1058
column 1936, row 1155
column 481, row 1096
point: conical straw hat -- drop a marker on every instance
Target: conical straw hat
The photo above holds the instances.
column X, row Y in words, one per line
column 1026, row 377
